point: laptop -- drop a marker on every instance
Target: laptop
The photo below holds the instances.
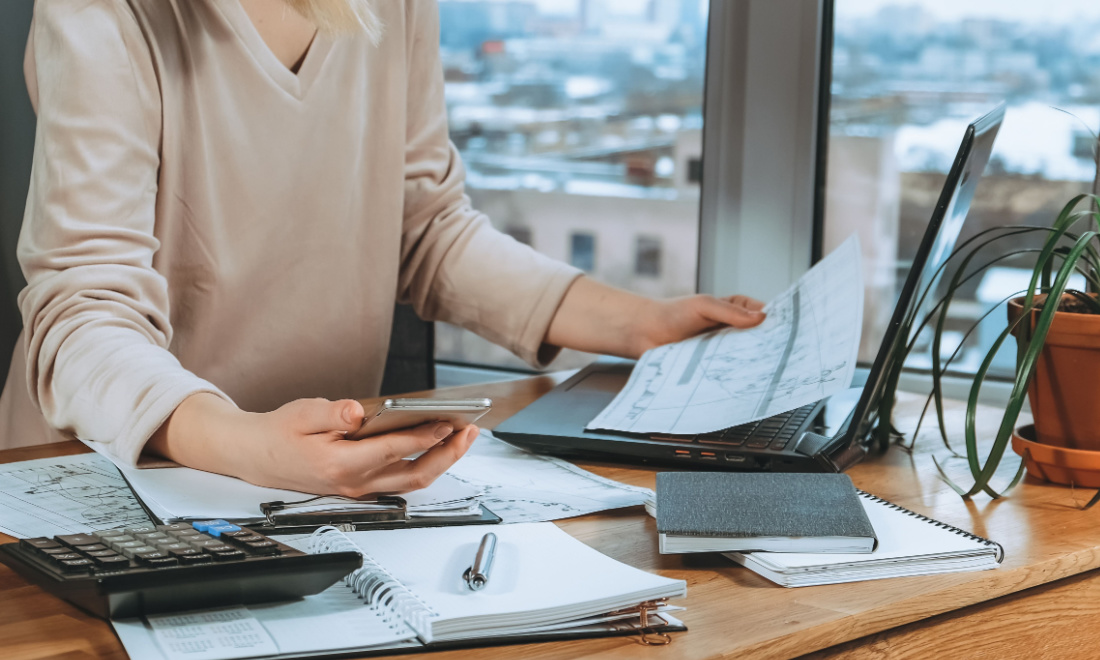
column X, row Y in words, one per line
column 830, row 435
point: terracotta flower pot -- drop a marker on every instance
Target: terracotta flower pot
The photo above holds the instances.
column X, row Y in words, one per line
column 1065, row 389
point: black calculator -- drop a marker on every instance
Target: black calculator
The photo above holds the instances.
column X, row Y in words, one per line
column 127, row 572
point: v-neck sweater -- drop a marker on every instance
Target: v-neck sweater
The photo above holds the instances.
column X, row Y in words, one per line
column 202, row 219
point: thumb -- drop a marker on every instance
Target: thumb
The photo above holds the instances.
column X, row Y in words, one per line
column 311, row 416
column 733, row 314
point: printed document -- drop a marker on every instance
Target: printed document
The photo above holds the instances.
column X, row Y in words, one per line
column 65, row 495
column 804, row 351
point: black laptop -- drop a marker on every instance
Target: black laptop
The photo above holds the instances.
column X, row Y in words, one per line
column 828, row 436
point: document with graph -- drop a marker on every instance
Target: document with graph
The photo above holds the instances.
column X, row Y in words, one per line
column 65, row 495
column 804, row 351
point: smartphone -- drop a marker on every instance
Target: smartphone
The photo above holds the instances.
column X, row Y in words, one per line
column 394, row 414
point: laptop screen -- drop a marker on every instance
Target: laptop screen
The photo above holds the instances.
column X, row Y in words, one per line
column 935, row 248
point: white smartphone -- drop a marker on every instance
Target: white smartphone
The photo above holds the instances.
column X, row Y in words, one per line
column 394, row 414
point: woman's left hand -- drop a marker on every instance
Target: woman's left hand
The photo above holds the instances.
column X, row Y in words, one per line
column 597, row 318
column 677, row 319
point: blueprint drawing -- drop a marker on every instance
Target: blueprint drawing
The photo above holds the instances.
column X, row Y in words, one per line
column 520, row 486
column 804, row 350
column 65, row 495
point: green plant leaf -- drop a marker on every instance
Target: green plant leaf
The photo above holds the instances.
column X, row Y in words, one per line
column 983, row 472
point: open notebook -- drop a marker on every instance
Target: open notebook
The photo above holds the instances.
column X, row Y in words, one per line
column 410, row 593
column 908, row 544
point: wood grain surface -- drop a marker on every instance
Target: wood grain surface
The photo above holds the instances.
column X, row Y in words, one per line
column 1040, row 603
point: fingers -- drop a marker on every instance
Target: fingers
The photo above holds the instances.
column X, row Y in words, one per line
column 311, row 416
column 751, row 304
column 420, row 473
column 378, row 451
column 733, row 313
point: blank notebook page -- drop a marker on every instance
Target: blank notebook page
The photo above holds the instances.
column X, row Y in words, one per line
column 540, row 574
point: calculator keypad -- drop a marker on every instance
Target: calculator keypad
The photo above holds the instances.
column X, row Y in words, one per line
column 145, row 547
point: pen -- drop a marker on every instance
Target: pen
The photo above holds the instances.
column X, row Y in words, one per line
column 477, row 575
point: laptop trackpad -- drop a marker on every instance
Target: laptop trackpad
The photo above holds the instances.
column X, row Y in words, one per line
column 606, row 382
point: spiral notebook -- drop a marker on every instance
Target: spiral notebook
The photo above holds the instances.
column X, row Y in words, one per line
column 410, row 595
column 908, row 544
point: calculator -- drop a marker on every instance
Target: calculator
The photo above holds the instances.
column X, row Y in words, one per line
column 132, row 571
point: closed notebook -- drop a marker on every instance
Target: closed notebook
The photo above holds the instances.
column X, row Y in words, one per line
column 544, row 584
column 909, row 544
column 777, row 512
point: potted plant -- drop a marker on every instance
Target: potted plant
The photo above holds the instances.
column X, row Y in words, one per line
column 1058, row 354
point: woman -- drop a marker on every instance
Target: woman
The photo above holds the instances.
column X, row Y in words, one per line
column 225, row 202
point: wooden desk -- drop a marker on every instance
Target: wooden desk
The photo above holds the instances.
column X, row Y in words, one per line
column 1042, row 601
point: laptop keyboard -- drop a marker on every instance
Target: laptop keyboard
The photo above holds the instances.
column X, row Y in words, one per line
column 772, row 433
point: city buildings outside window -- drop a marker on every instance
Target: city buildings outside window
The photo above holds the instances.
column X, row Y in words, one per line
column 907, row 77
column 582, row 251
column 647, row 256
column 575, row 114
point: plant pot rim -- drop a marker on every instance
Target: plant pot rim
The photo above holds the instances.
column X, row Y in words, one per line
column 1066, row 328
column 1018, row 302
column 1080, row 467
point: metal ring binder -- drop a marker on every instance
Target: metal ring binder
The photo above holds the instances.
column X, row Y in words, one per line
column 386, row 508
column 951, row 528
column 378, row 588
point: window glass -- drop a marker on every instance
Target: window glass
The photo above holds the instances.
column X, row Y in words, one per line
column 907, row 78
column 647, row 258
column 582, row 251
column 580, row 124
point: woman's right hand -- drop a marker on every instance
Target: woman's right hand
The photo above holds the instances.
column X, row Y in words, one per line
column 301, row 446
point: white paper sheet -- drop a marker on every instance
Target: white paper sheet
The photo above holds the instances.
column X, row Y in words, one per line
column 85, row 493
column 65, row 495
column 520, row 486
column 804, row 351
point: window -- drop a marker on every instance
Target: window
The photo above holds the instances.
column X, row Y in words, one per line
column 906, row 79
column 647, row 256
column 580, row 121
column 582, row 251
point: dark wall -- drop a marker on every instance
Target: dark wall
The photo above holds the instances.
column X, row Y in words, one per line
column 16, row 148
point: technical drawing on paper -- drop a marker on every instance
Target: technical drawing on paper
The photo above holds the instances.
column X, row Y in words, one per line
column 520, row 486
column 65, row 495
column 804, row 350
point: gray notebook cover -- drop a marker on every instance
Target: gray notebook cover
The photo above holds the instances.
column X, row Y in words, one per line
column 753, row 505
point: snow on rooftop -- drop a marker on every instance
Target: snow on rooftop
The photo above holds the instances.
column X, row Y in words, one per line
column 1035, row 139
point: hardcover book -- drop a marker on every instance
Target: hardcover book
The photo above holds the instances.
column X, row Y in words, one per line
column 745, row 512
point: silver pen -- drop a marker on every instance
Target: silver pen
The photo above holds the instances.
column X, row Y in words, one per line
column 477, row 575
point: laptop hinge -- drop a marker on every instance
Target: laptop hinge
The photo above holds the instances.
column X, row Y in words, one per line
column 811, row 443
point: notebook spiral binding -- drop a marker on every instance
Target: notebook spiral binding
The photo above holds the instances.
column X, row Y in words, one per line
column 937, row 523
column 381, row 591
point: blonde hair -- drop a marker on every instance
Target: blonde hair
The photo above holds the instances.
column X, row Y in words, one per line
column 341, row 16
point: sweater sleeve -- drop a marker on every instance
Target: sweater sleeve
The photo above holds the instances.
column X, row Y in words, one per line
column 455, row 266
column 95, row 311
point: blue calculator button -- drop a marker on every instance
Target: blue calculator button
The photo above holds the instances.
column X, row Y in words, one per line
column 217, row 530
column 205, row 525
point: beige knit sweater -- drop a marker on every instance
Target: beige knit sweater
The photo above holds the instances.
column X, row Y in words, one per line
column 200, row 218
